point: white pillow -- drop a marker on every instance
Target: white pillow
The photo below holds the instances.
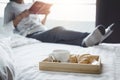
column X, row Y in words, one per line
column 7, row 71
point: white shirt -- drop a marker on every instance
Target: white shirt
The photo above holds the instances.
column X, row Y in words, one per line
column 27, row 25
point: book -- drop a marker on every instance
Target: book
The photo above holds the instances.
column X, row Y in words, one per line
column 39, row 7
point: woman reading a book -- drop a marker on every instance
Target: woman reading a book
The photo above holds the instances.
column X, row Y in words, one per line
column 28, row 24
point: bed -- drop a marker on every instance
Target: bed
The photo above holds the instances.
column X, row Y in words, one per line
column 27, row 53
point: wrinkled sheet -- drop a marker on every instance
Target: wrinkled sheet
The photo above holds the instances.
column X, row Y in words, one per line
column 18, row 40
column 6, row 61
column 27, row 60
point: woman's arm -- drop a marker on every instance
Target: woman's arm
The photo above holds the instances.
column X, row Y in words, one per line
column 20, row 17
column 44, row 19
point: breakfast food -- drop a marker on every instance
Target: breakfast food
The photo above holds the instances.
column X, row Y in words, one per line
column 87, row 58
column 63, row 56
column 73, row 59
column 51, row 59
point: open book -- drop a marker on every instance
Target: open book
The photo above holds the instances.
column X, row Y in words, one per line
column 39, row 6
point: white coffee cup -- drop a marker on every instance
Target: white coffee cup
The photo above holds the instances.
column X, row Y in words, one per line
column 60, row 55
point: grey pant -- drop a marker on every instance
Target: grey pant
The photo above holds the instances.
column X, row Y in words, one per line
column 60, row 35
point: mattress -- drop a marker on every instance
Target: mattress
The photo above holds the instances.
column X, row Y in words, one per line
column 27, row 58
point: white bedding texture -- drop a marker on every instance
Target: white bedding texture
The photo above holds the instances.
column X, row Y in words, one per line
column 29, row 52
column 7, row 71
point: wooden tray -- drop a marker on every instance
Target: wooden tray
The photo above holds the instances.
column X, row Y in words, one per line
column 71, row 67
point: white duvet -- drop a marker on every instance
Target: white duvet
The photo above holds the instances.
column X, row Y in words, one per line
column 27, row 53
column 7, row 71
column 27, row 60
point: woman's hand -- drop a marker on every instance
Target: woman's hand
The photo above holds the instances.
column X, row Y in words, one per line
column 20, row 17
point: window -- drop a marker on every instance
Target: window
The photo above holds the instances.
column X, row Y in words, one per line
column 80, row 10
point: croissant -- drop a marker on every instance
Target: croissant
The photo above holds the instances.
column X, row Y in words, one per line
column 87, row 58
column 73, row 59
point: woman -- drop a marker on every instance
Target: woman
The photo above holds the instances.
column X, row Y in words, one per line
column 28, row 24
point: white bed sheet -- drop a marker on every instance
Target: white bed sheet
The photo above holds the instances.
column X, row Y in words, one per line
column 27, row 60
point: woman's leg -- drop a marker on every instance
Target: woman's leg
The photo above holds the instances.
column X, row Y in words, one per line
column 60, row 35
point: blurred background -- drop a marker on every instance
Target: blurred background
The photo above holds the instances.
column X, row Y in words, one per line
column 78, row 15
